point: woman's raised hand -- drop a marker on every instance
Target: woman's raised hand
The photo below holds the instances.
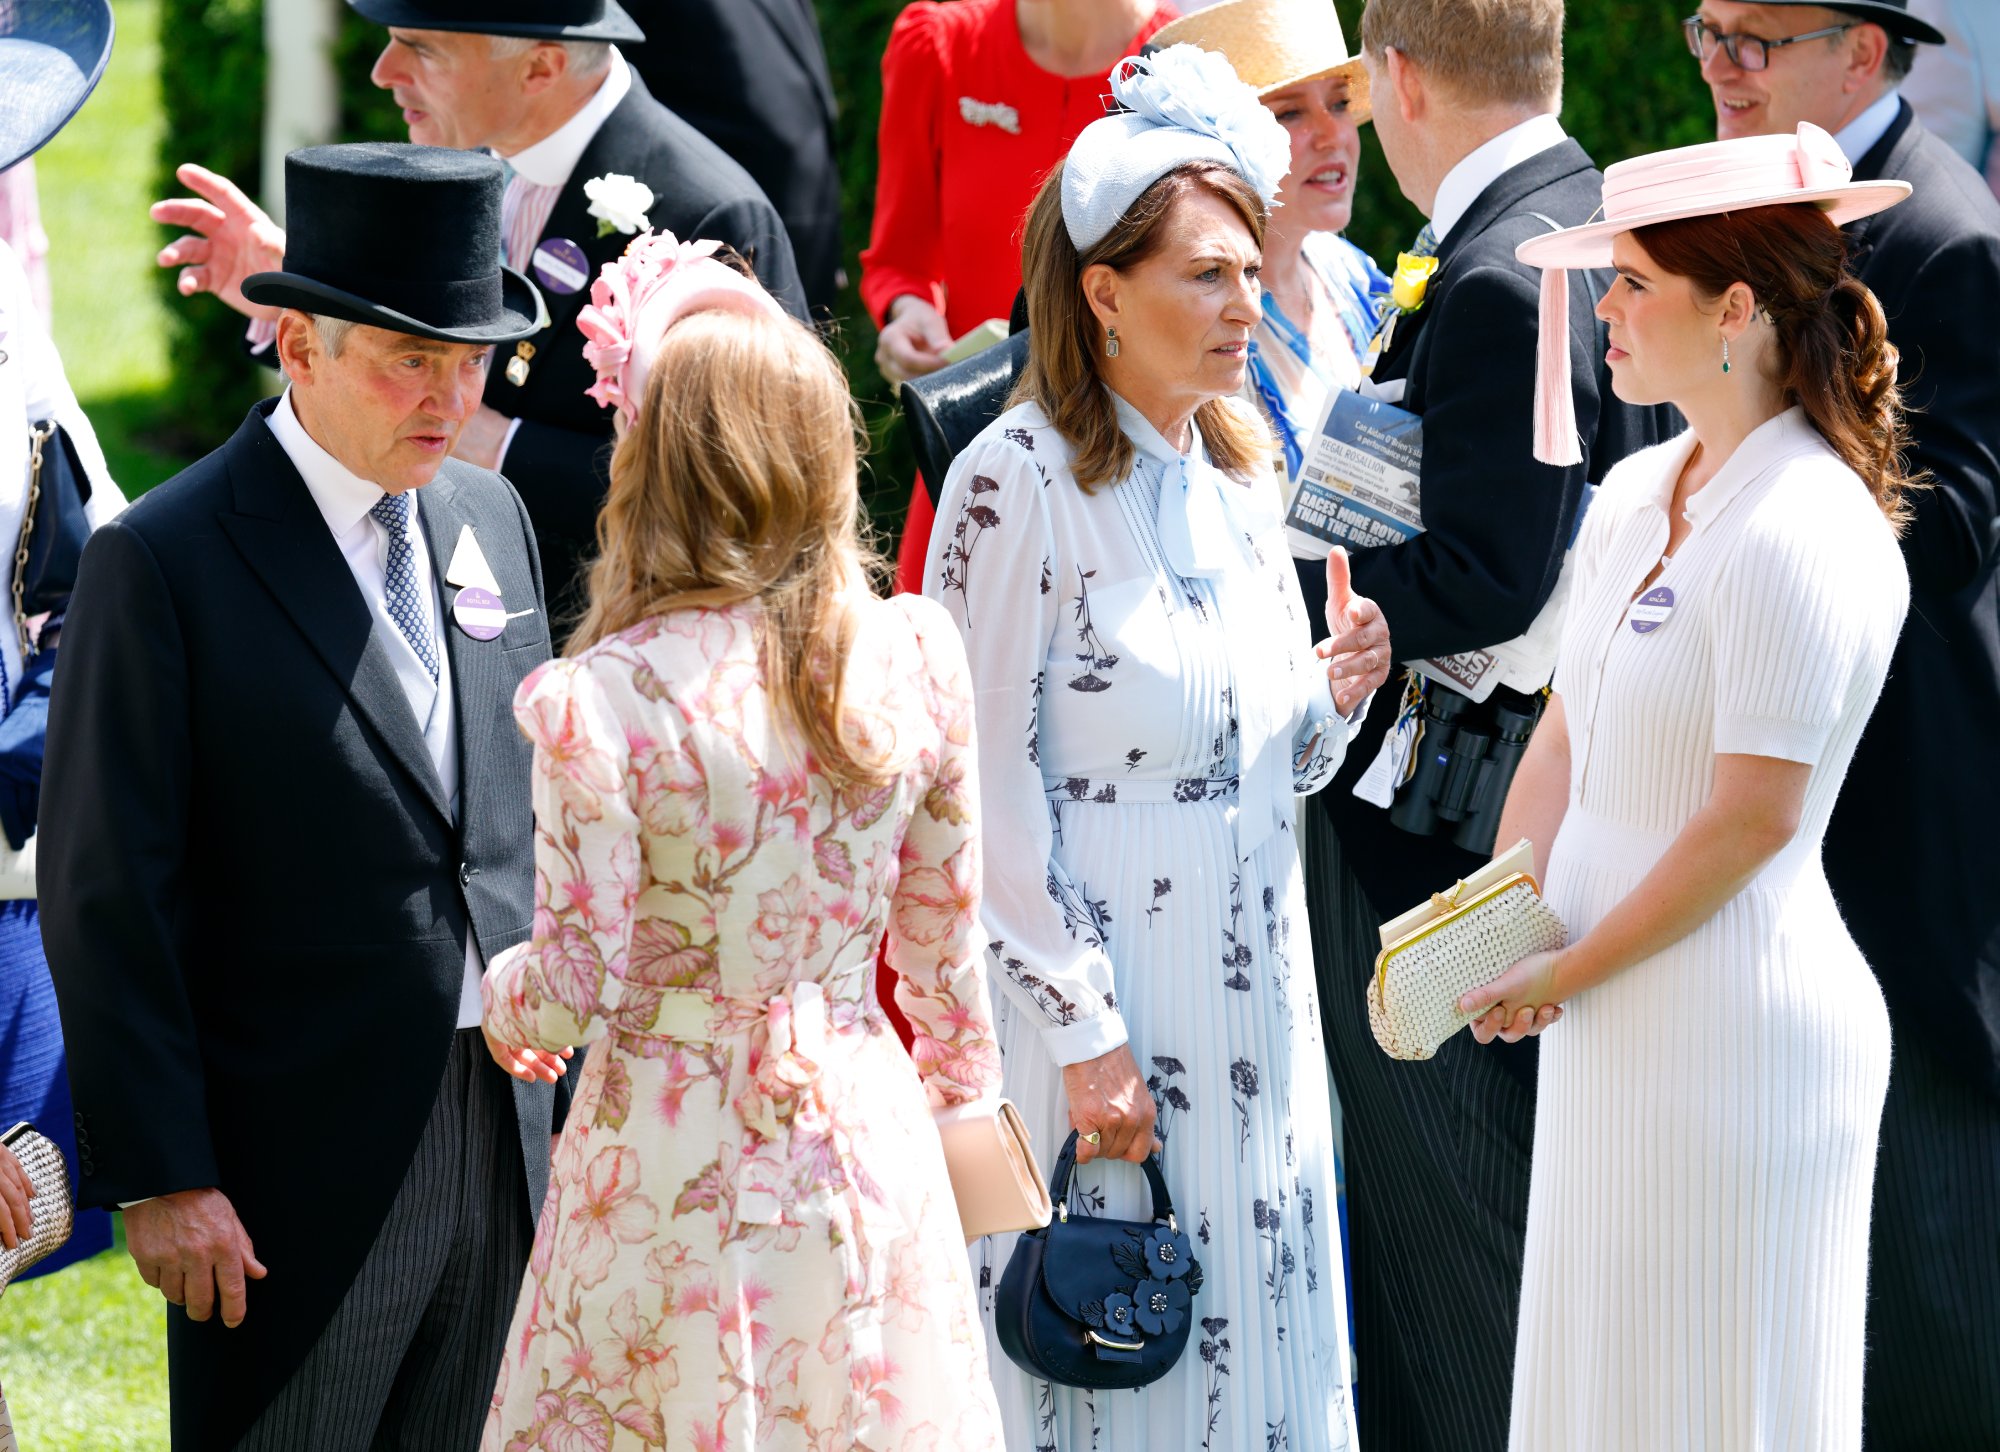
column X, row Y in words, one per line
column 1109, row 1099
column 1358, row 645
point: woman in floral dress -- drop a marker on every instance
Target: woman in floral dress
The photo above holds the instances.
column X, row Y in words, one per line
column 1149, row 706
column 748, row 770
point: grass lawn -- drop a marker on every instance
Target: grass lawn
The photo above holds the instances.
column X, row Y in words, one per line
column 95, row 181
column 83, row 1355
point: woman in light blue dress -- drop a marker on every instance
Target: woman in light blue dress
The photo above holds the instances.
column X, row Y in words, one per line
column 1149, row 708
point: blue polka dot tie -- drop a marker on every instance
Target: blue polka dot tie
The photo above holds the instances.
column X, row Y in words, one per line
column 392, row 512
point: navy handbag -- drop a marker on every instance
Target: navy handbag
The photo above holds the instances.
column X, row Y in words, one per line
column 1105, row 1304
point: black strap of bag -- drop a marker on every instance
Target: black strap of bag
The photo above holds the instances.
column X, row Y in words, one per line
column 1099, row 1303
column 54, row 527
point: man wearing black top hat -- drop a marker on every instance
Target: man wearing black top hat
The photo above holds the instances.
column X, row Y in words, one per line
column 1908, row 852
column 286, row 821
column 541, row 84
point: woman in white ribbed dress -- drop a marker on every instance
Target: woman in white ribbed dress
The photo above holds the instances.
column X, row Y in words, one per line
column 1149, row 705
column 1707, row 1114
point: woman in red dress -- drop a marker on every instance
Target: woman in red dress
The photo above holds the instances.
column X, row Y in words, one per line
column 980, row 98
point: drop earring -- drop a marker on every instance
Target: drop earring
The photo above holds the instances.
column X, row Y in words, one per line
column 1725, row 355
column 1111, row 343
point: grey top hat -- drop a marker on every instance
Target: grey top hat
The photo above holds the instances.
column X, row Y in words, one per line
column 532, row 19
column 1892, row 15
column 52, row 54
column 400, row 237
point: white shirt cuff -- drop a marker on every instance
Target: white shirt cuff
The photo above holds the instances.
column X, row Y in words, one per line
column 1078, row 1043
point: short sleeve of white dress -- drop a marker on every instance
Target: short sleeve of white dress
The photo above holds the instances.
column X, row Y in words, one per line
column 1808, row 609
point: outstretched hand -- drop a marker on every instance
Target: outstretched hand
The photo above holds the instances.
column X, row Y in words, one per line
column 1519, row 1004
column 231, row 237
column 1357, row 649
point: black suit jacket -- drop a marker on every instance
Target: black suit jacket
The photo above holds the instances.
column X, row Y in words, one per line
column 560, row 456
column 1497, row 523
column 253, row 893
column 751, row 76
column 1910, row 847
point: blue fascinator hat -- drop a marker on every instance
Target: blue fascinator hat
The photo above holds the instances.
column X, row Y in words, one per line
column 1181, row 104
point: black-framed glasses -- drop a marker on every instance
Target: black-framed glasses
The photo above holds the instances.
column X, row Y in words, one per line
column 1747, row 52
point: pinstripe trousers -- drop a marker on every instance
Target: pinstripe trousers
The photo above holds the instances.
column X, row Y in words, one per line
column 408, row 1362
column 1932, row 1382
column 1437, row 1197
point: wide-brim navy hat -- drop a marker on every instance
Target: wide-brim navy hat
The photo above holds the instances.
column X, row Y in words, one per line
column 52, row 55
column 400, row 237
column 531, row 19
column 1892, row 15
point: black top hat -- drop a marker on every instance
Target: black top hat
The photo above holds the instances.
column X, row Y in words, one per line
column 400, row 237
column 1892, row 15
column 533, row 19
column 52, row 54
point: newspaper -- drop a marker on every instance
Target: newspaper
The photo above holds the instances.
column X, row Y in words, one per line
column 1359, row 486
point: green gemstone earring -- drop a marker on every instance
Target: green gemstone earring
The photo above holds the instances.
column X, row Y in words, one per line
column 1725, row 355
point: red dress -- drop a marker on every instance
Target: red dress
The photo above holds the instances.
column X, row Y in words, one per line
column 970, row 126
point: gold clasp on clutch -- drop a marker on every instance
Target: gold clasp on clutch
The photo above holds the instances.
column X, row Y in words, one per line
column 1110, row 1345
column 1447, row 902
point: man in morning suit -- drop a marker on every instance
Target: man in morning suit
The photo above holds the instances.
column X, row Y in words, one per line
column 553, row 97
column 751, row 76
column 1909, row 850
column 286, row 821
column 1437, row 1153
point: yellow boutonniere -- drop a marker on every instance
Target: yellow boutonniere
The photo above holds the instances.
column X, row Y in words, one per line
column 1413, row 277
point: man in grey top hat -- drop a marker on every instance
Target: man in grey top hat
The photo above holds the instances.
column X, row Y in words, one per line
column 286, row 823
column 541, row 84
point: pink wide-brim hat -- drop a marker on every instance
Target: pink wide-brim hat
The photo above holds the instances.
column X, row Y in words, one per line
column 1807, row 167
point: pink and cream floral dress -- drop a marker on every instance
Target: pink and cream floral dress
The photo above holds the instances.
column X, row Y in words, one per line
column 749, row 1239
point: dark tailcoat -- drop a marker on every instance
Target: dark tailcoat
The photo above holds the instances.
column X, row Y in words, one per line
column 255, row 895
column 560, row 455
column 1497, row 523
column 1910, row 848
column 751, row 76
column 1438, row 1152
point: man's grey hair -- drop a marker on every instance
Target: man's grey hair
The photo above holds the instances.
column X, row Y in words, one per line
column 586, row 57
column 332, row 332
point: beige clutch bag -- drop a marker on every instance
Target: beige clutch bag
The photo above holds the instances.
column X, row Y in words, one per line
column 1434, row 954
column 48, row 1204
column 994, row 1176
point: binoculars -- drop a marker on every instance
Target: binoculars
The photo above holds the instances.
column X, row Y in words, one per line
column 1466, row 760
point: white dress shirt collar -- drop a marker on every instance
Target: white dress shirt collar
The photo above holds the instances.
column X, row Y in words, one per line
column 1858, row 137
column 344, row 498
column 549, row 162
column 1485, row 165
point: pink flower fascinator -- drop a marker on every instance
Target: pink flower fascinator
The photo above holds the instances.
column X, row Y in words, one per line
column 638, row 297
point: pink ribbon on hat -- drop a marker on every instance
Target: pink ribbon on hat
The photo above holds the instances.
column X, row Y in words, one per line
column 1720, row 176
column 634, row 301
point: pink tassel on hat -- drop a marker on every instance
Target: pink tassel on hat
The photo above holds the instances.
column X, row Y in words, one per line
column 1556, row 440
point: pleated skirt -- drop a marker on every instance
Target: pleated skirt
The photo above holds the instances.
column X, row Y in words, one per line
column 1214, row 978
column 1705, row 1139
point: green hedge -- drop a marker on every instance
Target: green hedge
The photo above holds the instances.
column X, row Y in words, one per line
column 1632, row 88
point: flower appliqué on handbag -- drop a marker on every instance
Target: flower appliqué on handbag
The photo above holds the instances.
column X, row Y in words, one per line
column 989, row 113
column 1166, row 1274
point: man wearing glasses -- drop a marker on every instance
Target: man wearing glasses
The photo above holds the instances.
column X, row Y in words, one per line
column 1909, row 850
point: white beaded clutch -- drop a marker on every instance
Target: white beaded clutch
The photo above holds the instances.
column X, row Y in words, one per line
column 1458, row 941
column 49, row 1205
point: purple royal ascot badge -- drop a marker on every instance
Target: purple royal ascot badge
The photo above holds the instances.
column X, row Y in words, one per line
column 1650, row 611
column 479, row 613
column 560, row 266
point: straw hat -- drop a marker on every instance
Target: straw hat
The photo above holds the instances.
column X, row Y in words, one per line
column 1709, row 180
column 1273, row 44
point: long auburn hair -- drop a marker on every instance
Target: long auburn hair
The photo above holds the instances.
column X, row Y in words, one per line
column 1061, row 375
column 1834, row 357
column 736, row 482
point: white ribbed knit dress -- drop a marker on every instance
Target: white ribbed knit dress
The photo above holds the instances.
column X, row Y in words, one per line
column 1705, row 1129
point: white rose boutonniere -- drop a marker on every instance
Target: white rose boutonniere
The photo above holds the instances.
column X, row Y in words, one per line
column 619, row 203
